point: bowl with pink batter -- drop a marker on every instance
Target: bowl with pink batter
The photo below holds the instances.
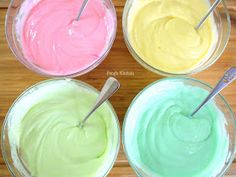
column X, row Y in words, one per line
column 45, row 36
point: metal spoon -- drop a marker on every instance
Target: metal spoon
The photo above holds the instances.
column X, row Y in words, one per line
column 82, row 9
column 229, row 76
column 216, row 3
column 109, row 88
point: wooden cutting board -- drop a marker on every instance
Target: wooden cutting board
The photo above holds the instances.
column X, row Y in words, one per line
column 14, row 78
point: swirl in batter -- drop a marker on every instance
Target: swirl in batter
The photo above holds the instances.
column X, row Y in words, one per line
column 52, row 144
column 56, row 43
column 163, row 34
column 167, row 142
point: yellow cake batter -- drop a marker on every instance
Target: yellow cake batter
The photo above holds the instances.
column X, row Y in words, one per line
column 162, row 32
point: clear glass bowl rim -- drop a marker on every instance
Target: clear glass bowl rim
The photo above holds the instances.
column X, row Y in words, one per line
column 39, row 71
column 79, row 83
column 168, row 74
column 180, row 78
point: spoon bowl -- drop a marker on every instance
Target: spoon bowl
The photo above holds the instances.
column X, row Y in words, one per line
column 163, row 87
column 11, row 149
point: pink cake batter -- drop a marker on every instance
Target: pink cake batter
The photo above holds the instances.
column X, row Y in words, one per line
column 58, row 44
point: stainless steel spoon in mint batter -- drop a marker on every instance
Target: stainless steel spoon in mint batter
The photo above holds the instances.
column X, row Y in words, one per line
column 229, row 76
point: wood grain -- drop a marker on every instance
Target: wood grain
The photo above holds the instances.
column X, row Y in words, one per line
column 14, row 78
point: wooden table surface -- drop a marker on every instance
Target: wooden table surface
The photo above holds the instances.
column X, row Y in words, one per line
column 15, row 78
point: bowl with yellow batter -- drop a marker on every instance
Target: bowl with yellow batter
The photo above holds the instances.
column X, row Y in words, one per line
column 161, row 139
column 161, row 34
column 41, row 136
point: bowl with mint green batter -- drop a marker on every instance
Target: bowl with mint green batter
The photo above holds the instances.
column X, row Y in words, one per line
column 161, row 140
column 41, row 136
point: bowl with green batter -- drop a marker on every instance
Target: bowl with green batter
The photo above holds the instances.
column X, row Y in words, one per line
column 41, row 136
column 161, row 140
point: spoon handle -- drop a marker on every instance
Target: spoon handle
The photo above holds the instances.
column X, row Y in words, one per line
column 82, row 9
column 110, row 87
column 229, row 76
column 216, row 3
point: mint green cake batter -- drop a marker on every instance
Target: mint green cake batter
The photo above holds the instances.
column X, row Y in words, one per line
column 167, row 142
column 51, row 143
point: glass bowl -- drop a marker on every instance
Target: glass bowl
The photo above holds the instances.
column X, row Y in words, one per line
column 163, row 85
column 223, row 25
column 20, row 107
column 15, row 45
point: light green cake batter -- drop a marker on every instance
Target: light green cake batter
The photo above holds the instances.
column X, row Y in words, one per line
column 51, row 143
column 169, row 143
